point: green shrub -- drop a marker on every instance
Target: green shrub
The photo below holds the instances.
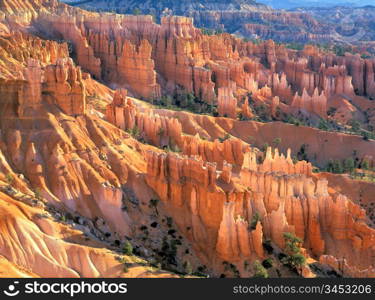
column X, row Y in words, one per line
column 323, row 125
column 254, row 221
column 169, row 222
column 9, row 178
column 136, row 11
column 365, row 165
column 225, row 137
column 349, row 165
column 267, row 263
column 294, row 257
column 264, row 147
column 161, row 131
column 259, row 270
column 38, row 194
column 276, row 142
column 128, row 248
column 355, row 125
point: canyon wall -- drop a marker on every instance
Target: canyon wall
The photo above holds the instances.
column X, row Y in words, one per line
column 218, row 209
column 117, row 155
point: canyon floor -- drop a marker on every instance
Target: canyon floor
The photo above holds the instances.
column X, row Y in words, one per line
column 130, row 148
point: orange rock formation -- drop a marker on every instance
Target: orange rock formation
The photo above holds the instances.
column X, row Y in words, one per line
column 58, row 148
column 286, row 201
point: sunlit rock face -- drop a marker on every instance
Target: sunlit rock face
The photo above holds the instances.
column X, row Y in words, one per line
column 84, row 164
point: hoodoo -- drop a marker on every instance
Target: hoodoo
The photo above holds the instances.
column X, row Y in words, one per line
column 129, row 145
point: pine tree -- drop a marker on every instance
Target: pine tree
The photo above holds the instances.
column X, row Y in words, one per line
column 349, row 165
column 294, row 257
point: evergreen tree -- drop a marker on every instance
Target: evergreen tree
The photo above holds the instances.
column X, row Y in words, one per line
column 365, row 165
column 349, row 165
column 337, row 167
column 294, row 257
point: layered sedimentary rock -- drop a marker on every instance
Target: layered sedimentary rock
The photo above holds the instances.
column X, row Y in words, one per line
column 204, row 88
column 64, row 87
column 231, row 150
column 22, row 95
column 60, row 84
column 253, row 19
column 133, row 52
column 123, row 62
column 155, row 129
column 285, row 203
column 56, row 147
column 246, row 110
column 136, row 69
column 320, row 145
column 344, row 269
column 28, row 6
column 34, row 244
column 315, row 103
column 121, row 111
column 68, row 27
column 280, row 86
column 16, row 49
column 227, row 103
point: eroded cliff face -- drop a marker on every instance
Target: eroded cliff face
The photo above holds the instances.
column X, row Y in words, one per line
column 151, row 60
column 108, row 163
column 35, row 244
column 249, row 18
column 219, row 206
column 51, row 146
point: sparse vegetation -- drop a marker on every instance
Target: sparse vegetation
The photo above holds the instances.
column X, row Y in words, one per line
column 9, row 178
column 259, row 270
column 154, row 203
column 38, row 194
column 136, row 11
column 135, row 132
column 254, row 221
column 353, row 166
column 267, row 263
column 294, row 257
column 208, row 31
column 225, row 137
column 161, row 132
column 184, row 100
column 128, row 248
column 276, row 142
column 264, row 147
column 301, row 154
column 169, row 222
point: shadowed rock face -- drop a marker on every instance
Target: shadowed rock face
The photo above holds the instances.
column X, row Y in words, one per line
column 250, row 19
column 69, row 144
column 179, row 8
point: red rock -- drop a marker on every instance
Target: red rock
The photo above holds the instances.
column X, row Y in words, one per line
column 314, row 104
column 136, row 70
column 83, row 164
column 65, row 88
column 227, row 103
